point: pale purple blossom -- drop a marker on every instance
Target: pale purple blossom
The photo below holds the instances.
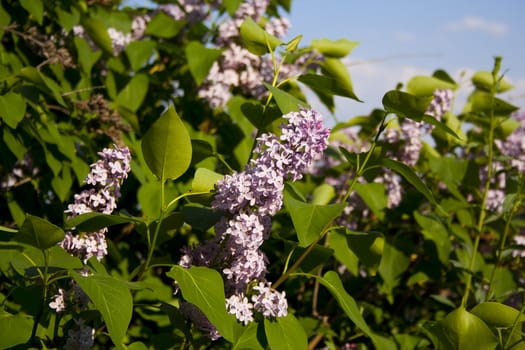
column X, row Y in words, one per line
column 268, row 301
column 239, row 306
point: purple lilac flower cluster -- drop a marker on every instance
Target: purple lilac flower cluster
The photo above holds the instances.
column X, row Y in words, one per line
column 105, row 177
column 239, row 69
column 249, row 199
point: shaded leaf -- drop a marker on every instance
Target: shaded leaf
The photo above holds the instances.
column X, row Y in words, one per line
column 133, row 94
column 167, row 146
column 139, row 52
column 405, row 105
column 35, row 8
column 375, row 197
column 98, row 32
column 92, row 222
column 39, row 233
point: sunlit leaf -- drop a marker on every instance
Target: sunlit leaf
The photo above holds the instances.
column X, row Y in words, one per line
column 255, row 39
column 112, row 298
column 205, row 180
column 164, row 26
column 310, row 220
column 167, row 146
column 497, row 314
column 285, row 333
column 12, row 109
column 139, row 52
column 15, row 329
column 483, row 80
column 98, row 32
column 200, row 59
column 286, row 102
column 334, row 48
column 35, row 8
column 204, row 288
column 133, row 94
column 422, row 85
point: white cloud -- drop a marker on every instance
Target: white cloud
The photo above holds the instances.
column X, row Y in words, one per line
column 476, row 23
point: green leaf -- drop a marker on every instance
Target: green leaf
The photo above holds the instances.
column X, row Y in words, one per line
column 310, row 220
column 322, row 84
column 205, row 180
column 323, row 194
column 98, row 32
column 133, row 94
column 334, row 48
column 35, row 8
column 62, row 184
column 204, row 288
column 483, row 80
column 248, row 340
column 13, row 142
column 200, row 59
column 68, row 19
column 468, row 332
column 333, row 283
column 16, row 329
column 367, row 246
column 201, row 150
column 257, row 40
column 498, row 315
column 12, row 109
column 164, row 26
column 285, row 333
column 373, row 194
column 39, row 233
column 405, row 105
column 336, row 69
column 86, row 57
column 139, row 52
column 112, row 298
column 435, row 231
column 409, row 175
column 260, row 117
column 342, row 252
column 293, row 44
column 59, row 258
column 422, row 85
column 482, row 102
column 286, row 102
column 93, row 221
column 167, row 146
column 393, row 264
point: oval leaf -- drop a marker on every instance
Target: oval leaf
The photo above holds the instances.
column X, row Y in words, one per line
column 205, row 180
column 468, row 332
column 497, row 314
column 334, row 48
column 200, row 59
column 406, row 105
column 422, row 85
column 310, row 220
column 285, row 333
column 98, row 32
column 112, row 298
column 39, row 233
column 132, row 95
column 204, row 288
column 16, row 329
column 257, row 40
column 167, row 146
column 12, row 109
column 483, row 80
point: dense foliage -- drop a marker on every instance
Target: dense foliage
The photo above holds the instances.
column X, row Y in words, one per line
column 164, row 183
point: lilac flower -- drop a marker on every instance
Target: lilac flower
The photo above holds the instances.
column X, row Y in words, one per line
column 249, row 199
column 441, row 103
column 514, row 145
column 239, row 306
column 269, row 302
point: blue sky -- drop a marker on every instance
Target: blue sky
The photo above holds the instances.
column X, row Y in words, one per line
column 401, row 38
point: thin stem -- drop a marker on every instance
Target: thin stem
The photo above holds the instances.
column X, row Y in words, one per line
column 503, row 240
column 45, row 284
column 483, row 212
